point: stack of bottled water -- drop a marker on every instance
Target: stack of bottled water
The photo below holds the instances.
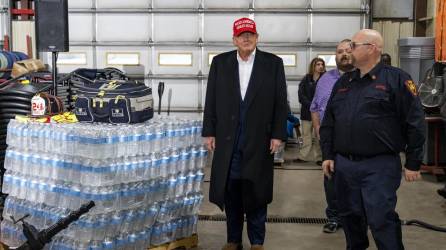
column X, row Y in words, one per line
column 145, row 180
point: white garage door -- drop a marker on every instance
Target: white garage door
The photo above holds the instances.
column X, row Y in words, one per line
column 4, row 20
column 174, row 41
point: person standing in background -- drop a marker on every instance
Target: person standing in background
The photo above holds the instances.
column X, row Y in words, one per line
column 386, row 59
column 310, row 149
column 318, row 105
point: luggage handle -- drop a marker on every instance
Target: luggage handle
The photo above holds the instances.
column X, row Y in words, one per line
column 92, row 110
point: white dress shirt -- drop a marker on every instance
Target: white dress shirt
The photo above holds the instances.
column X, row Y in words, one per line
column 244, row 71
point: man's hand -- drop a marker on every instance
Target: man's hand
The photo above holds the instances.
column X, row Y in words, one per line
column 210, row 143
column 274, row 145
column 411, row 175
column 328, row 167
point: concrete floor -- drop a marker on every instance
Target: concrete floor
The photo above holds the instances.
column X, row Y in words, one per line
column 298, row 192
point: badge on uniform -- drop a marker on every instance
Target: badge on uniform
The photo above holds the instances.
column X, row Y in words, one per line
column 381, row 87
column 411, row 87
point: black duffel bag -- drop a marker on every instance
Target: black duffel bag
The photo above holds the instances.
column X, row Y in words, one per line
column 114, row 102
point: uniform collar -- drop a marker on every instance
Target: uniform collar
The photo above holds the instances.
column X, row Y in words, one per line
column 372, row 74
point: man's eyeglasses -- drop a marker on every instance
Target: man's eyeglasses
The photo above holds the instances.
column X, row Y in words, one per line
column 354, row 45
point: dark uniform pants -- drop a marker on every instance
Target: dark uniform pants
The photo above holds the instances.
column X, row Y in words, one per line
column 256, row 219
column 366, row 194
column 332, row 204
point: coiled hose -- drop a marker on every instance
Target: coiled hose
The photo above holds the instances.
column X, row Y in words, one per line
column 423, row 224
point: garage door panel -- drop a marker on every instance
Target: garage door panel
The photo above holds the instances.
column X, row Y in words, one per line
column 123, row 4
column 287, row 28
column 295, row 60
column 173, row 67
column 80, row 3
column 222, row 23
column 184, row 93
column 3, row 19
column 175, row 3
column 87, row 53
column 337, row 4
column 143, row 53
column 299, row 68
column 328, row 55
column 209, row 53
column 334, row 28
column 176, row 27
column 217, row 27
column 80, row 27
column 281, row 4
column 123, row 27
column 227, row 3
column 293, row 96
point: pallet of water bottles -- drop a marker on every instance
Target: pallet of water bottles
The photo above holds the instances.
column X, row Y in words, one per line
column 145, row 180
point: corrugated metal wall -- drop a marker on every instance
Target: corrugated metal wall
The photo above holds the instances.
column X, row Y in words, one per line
column 392, row 31
column 190, row 31
column 431, row 10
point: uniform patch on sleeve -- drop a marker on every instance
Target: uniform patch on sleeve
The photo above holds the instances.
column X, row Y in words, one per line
column 411, row 87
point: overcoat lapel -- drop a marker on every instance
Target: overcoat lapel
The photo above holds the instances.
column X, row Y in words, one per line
column 256, row 79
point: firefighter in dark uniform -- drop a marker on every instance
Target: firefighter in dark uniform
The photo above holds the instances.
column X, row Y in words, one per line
column 373, row 114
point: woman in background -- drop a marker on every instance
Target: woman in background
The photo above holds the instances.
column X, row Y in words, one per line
column 310, row 149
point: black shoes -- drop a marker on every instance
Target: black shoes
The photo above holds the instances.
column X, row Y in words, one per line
column 331, row 227
column 299, row 161
column 442, row 192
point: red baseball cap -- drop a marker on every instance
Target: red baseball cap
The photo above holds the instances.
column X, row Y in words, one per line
column 244, row 25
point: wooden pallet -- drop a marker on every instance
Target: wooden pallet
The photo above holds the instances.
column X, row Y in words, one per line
column 185, row 243
column 3, row 246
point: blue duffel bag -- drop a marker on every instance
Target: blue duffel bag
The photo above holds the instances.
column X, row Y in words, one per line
column 114, row 101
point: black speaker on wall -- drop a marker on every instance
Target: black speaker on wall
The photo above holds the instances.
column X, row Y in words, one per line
column 52, row 25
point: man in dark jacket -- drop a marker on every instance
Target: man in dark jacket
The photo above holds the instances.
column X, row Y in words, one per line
column 373, row 114
column 244, row 123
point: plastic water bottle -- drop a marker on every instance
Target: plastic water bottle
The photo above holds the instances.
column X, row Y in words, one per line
column 184, row 157
column 199, row 177
column 190, row 180
column 172, row 183
column 195, row 156
column 165, row 162
column 202, row 157
column 173, row 161
column 181, row 185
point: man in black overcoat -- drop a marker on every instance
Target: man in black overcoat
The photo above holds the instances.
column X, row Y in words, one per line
column 244, row 124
